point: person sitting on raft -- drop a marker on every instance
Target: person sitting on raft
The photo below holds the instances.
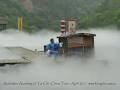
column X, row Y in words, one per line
column 52, row 48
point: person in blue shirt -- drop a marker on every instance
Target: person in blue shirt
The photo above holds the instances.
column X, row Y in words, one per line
column 52, row 48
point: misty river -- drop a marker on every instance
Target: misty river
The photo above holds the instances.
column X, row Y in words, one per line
column 72, row 73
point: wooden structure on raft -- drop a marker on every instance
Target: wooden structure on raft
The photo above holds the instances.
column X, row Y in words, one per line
column 3, row 23
column 77, row 44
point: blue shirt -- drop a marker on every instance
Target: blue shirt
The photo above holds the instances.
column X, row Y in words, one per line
column 53, row 47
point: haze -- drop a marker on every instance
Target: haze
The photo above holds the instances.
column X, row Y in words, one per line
column 104, row 67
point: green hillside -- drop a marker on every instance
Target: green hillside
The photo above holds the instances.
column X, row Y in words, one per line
column 108, row 13
column 48, row 13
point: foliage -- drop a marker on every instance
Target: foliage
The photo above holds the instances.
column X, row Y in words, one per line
column 108, row 13
column 48, row 13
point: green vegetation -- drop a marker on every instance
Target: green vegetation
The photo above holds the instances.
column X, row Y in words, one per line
column 48, row 13
column 108, row 13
